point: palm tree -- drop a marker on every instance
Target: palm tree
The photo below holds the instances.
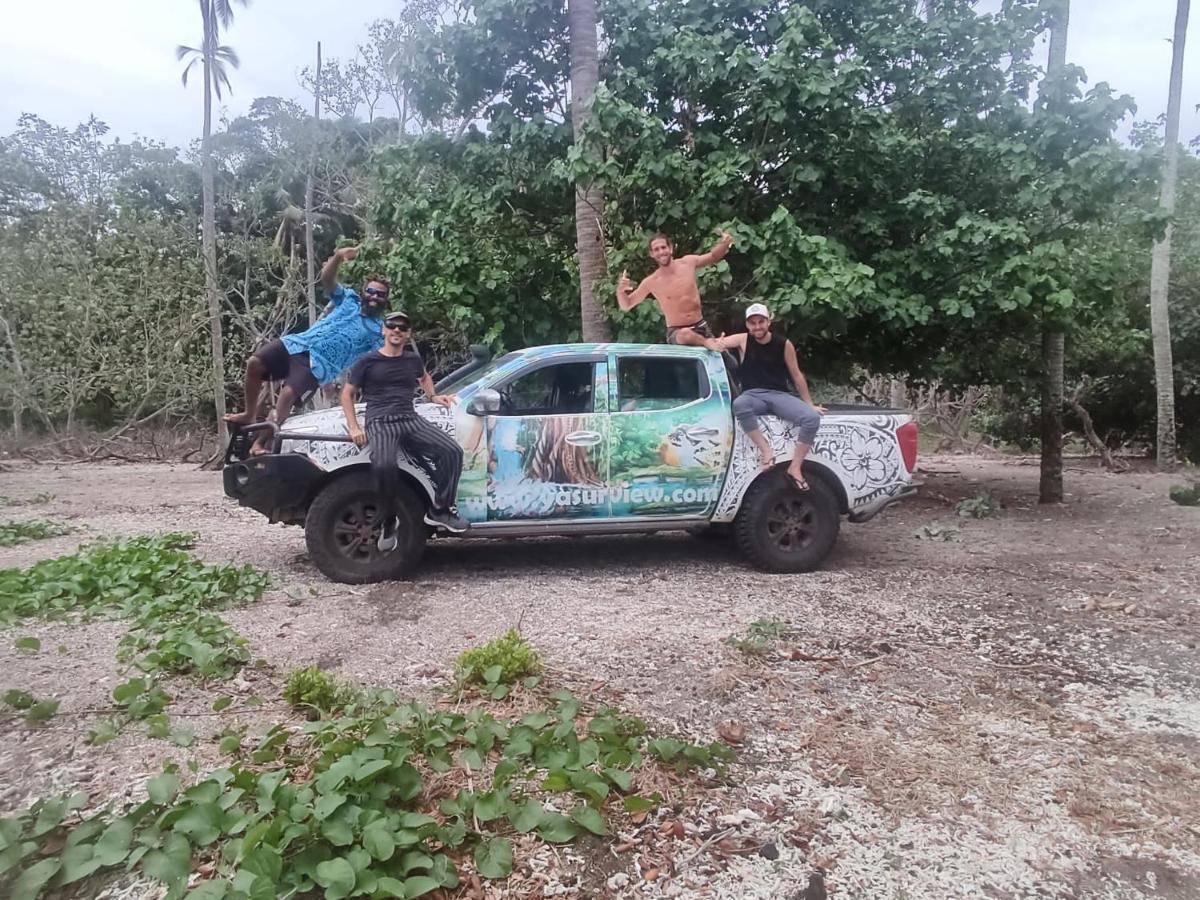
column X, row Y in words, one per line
column 589, row 199
column 1160, row 260
column 215, row 59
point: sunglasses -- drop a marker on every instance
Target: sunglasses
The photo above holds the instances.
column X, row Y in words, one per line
column 375, row 292
column 397, row 326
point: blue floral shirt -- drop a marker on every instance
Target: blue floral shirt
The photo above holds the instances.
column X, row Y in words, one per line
column 340, row 338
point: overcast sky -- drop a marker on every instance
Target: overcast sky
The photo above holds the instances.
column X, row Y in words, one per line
column 66, row 59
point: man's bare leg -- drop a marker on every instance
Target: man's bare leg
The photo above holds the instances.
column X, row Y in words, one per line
column 690, row 338
column 795, row 469
column 254, row 379
column 283, row 409
column 765, row 453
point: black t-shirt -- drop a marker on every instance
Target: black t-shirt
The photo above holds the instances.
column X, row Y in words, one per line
column 764, row 365
column 388, row 383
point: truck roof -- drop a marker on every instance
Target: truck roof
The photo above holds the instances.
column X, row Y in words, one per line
column 611, row 347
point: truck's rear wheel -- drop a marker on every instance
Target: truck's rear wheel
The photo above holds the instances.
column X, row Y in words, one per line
column 783, row 529
column 343, row 525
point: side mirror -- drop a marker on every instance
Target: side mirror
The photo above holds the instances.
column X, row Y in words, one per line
column 486, row 402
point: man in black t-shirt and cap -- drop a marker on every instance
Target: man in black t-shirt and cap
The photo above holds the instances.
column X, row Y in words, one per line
column 388, row 378
column 768, row 363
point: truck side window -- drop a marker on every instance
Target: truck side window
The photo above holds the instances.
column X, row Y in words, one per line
column 563, row 389
column 662, row 383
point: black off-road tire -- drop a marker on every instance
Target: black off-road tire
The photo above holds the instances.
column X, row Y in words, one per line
column 783, row 529
column 341, row 530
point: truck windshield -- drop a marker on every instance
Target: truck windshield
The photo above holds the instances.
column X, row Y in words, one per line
column 457, row 384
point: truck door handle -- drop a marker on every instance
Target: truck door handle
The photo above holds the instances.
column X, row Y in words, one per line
column 583, row 438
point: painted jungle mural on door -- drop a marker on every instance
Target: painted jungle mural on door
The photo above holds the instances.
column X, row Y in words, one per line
column 656, row 441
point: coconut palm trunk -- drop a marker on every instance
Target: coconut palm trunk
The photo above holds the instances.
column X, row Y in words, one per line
column 1160, row 259
column 589, row 198
column 208, row 239
column 213, row 57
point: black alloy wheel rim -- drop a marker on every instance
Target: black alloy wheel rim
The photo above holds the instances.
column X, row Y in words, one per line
column 791, row 524
column 355, row 532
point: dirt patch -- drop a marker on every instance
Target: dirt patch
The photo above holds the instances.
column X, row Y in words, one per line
column 1009, row 713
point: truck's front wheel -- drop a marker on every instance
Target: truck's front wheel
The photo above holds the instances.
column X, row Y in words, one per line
column 782, row 529
column 342, row 527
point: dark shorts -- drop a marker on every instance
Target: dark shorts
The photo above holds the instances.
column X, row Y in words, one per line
column 292, row 369
column 701, row 328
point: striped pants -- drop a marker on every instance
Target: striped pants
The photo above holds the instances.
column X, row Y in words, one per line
column 421, row 440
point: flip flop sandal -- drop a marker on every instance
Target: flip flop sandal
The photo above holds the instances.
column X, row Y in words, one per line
column 800, row 483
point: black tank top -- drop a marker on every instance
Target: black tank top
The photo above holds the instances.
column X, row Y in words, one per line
column 763, row 365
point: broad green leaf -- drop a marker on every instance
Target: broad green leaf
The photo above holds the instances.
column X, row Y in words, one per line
column 49, row 816
column 78, row 862
column 28, row 643
column 590, row 819
column 415, row 859
column 370, row 768
column 337, row 877
column 620, row 778
column 337, row 833
column 637, row 803
column 163, row 787
column 491, row 805
column 557, row 780
column 32, row 880
column 170, row 864
column 415, row 820
column 209, row 890
column 327, row 805
column 526, row 816
column 221, row 703
column 494, row 858
column 202, row 823
column 491, row 674
column 113, row 845
column 471, row 758
column 378, row 841
column 419, row 886
column 390, row 887
column 557, row 828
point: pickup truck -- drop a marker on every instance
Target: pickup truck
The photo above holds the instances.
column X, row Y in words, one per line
column 584, row 439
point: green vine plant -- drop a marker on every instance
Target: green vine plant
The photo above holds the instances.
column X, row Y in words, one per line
column 21, row 532
column 168, row 595
column 365, row 804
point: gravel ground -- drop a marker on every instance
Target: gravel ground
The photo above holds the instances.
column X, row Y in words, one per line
column 1009, row 714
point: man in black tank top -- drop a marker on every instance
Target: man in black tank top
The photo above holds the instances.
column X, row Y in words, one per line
column 768, row 364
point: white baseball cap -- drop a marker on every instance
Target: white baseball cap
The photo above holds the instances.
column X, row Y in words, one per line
column 757, row 309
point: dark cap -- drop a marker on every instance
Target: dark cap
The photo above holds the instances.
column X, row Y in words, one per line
column 397, row 316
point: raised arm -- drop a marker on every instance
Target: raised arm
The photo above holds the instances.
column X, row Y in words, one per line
column 798, row 379
column 715, row 255
column 627, row 299
column 329, row 271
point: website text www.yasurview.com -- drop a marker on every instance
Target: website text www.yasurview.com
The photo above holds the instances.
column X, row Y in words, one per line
column 558, row 495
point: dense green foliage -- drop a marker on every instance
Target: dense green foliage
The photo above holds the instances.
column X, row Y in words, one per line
column 903, row 193
column 13, row 533
column 346, row 806
column 498, row 664
column 169, row 597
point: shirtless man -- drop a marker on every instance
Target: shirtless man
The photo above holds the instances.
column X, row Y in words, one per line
column 673, row 285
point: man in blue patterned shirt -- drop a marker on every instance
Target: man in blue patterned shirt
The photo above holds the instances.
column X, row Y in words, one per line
column 349, row 327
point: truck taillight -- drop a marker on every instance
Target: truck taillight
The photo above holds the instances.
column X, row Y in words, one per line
column 907, row 435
